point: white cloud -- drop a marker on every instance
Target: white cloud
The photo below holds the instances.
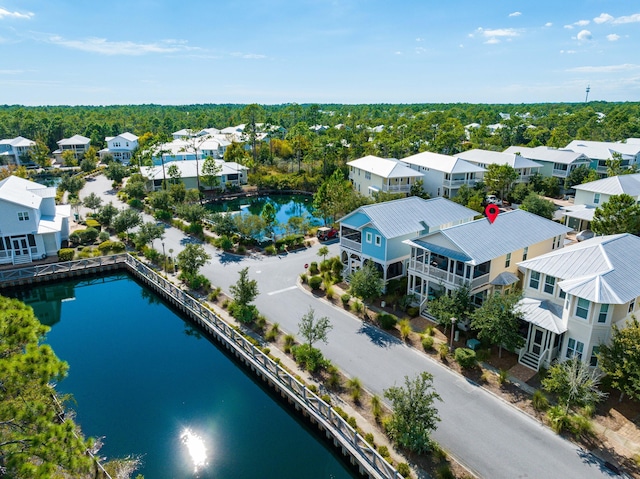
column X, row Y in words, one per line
column 397, row 53
column 248, row 56
column 582, row 23
column 106, row 47
column 548, row 24
column 603, row 18
column 569, row 27
column 613, row 37
column 515, row 14
column 568, row 52
column 606, row 18
column 6, row 13
column 606, row 68
column 584, row 36
column 495, row 35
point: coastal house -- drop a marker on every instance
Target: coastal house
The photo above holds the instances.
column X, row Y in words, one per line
column 14, row 151
column 77, row 144
column 32, row 226
column 230, row 174
column 443, row 175
column 120, row 147
column 483, row 158
column 573, row 297
column 590, row 196
column 599, row 152
column 557, row 163
column 197, row 147
column 376, row 233
column 371, row 174
column 479, row 254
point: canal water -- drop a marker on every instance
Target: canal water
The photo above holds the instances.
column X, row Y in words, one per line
column 154, row 387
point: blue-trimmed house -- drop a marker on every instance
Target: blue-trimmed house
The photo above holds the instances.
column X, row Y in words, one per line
column 376, row 233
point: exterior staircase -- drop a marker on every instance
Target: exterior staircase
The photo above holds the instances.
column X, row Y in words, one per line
column 21, row 259
column 530, row 360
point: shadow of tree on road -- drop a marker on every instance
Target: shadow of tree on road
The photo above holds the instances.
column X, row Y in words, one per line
column 377, row 337
column 226, row 258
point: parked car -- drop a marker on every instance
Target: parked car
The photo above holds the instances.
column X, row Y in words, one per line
column 493, row 200
column 325, row 233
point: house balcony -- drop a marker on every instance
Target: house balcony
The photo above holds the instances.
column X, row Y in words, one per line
column 458, row 183
column 396, row 188
column 444, row 276
column 350, row 244
column 560, row 173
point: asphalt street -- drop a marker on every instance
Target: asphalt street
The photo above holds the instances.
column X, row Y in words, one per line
column 489, row 436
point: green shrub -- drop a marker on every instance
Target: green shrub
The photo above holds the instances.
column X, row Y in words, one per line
column 405, row 329
column 503, row 375
column 429, row 330
column 326, row 398
column 443, row 351
column 330, row 292
column 289, row 341
column 369, row 438
column 384, row 452
column 272, row 334
column 355, row 389
column 403, row 469
column 386, row 320
column 413, row 311
column 345, row 299
column 225, row 243
column 118, row 246
column 483, row 354
column 195, row 229
column 334, row 379
column 270, row 250
column 315, row 282
column 352, row 422
column 325, row 265
column 427, row 343
column 445, row 472
column 465, row 357
column 135, row 203
column 304, row 278
column 308, row 357
column 357, row 307
column 588, row 410
column 313, row 268
column 340, row 412
column 103, row 236
column 376, row 407
column 66, row 254
column 581, row 425
column 91, row 223
column 241, row 249
column 105, row 247
column 559, row 419
column 539, row 401
column 213, row 295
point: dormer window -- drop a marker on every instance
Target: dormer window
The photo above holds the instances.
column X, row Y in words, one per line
column 23, row 216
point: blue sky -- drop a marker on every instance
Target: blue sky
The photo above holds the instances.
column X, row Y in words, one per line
column 326, row 51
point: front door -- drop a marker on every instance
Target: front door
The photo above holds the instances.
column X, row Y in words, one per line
column 20, row 247
column 537, row 340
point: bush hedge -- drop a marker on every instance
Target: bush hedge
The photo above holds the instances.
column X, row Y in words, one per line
column 66, row 254
column 315, row 282
column 387, row 320
column 465, row 357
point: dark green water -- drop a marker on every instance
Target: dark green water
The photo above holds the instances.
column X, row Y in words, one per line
column 142, row 376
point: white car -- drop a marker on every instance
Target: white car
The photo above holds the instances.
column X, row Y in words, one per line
column 493, row 200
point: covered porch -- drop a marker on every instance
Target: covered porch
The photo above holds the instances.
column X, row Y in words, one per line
column 543, row 329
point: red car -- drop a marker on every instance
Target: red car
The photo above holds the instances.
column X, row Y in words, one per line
column 324, row 233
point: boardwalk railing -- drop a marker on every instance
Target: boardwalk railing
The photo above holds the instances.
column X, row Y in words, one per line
column 362, row 454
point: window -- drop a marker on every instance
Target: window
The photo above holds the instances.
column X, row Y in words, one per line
column 632, row 305
column 369, row 236
column 593, row 361
column 596, row 198
column 534, row 281
column 507, row 262
column 525, row 253
column 604, row 311
column 574, row 348
column 367, row 175
column 549, row 284
column 582, row 308
column 23, row 216
column 561, row 294
column 378, row 240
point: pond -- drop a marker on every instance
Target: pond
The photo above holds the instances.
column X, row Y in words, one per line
column 154, row 387
column 287, row 206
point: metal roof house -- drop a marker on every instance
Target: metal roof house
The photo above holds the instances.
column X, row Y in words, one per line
column 523, row 166
column 443, row 175
column 120, row 147
column 376, row 233
column 231, row 173
column 372, row 174
column 14, row 150
column 586, row 288
column 77, row 144
column 601, row 151
column 555, row 162
column 479, row 254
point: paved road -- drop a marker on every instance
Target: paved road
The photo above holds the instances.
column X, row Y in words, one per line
column 489, row 436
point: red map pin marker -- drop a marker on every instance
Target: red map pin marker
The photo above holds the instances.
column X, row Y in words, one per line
column 492, row 212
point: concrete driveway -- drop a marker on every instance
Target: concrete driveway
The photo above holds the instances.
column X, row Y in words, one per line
column 492, row 438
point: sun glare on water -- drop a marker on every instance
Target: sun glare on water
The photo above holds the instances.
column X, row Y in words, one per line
column 195, row 447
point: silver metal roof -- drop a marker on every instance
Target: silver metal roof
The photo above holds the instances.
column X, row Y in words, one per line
column 615, row 185
column 546, row 153
column 444, row 163
column 410, row 215
column 384, row 167
column 482, row 241
column 545, row 314
column 487, row 157
column 603, row 269
column 505, row 279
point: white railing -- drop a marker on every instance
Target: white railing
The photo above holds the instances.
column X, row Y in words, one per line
column 456, row 183
column 396, row 188
column 350, row 244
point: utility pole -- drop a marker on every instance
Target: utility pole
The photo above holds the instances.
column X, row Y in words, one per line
column 586, row 99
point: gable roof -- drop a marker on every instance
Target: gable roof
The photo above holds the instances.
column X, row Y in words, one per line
column 602, row 269
column 602, row 150
column 546, row 153
column 542, row 313
column 188, row 169
column 18, row 141
column 480, row 241
column 444, row 163
column 384, row 167
column 75, row 140
column 614, row 185
column 486, row 157
column 411, row 215
column 14, row 189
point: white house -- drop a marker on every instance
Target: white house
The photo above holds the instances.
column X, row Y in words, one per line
column 371, row 174
column 77, row 144
column 590, row 196
column 443, row 175
column 230, row 173
column 120, row 147
column 575, row 295
column 483, row 158
column 32, row 226
column 195, row 147
column 555, row 162
column 13, row 150
column 601, row 151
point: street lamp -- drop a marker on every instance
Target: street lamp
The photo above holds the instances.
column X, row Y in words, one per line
column 164, row 257
column 453, row 327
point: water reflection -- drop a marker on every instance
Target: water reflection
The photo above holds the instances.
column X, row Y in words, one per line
column 196, row 449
